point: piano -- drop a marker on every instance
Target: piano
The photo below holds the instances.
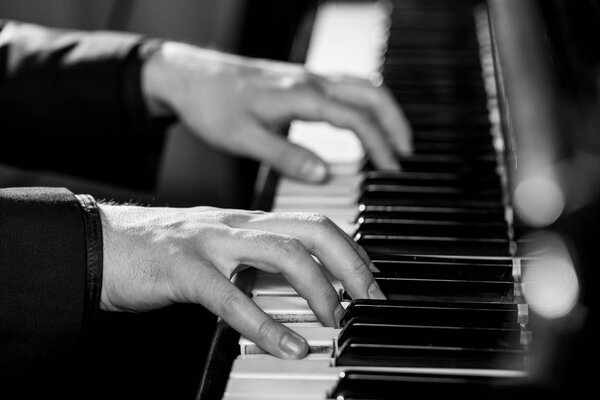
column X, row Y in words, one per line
column 485, row 297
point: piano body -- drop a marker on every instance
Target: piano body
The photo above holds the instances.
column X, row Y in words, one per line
column 482, row 241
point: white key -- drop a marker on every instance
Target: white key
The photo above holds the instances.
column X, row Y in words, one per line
column 276, row 285
column 348, row 38
column 320, row 341
column 278, row 388
column 338, row 185
column 274, row 368
column 286, row 308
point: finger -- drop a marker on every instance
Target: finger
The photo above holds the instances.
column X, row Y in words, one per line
column 227, row 301
column 359, row 249
column 380, row 103
column 323, row 239
column 288, row 158
column 308, row 103
column 282, row 253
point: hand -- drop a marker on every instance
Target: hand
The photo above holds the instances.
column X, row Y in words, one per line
column 241, row 105
column 154, row 257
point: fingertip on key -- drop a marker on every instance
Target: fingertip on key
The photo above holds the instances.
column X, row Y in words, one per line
column 293, row 345
column 314, row 171
column 375, row 292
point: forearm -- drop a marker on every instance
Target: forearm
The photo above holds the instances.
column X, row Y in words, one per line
column 70, row 82
column 71, row 102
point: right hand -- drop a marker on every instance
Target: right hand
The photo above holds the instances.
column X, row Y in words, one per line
column 241, row 105
column 154, row 257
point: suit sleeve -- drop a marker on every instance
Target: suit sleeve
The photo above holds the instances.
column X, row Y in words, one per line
column 72, row 98
column 50, row 273
column 71, row 80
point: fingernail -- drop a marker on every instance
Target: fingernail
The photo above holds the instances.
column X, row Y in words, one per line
column 314, row 171
column 392, row 165
column 337, row 314
column 293, row 345
column 375, row 292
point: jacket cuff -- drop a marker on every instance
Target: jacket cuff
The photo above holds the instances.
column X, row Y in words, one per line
column 94, row 260
column 50, row 273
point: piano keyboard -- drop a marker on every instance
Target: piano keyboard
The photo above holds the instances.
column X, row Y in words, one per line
column 439, row 232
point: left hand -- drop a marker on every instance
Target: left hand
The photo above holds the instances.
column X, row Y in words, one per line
column 156, row 256
column 241, row 105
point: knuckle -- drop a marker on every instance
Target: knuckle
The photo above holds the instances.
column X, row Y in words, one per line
column 304, row 83
column 231, row 304
column 324, row 226
column 316, row 82
column 239, row 218
column 318, row 219
column 315, row 106
column 267, row 329
column 291, row 247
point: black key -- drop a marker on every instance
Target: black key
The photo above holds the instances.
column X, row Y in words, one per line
column 439, row 57
column 461, row 136
column 369, row 385
column 443, row 270
column 438, row 196
column 454, row 124
column 443, row 85
column 454, row 260
column 472, row 109
column 441, row 336
column 453, row 179
column 442, row 91
column 443, row 246
column 451, row 148
column 398, row 71
column 382, row 226
column 416, row 39
column 433, row 163
column 445, row 188
column 445, row 119
column 446, row 290
column 432, row 213
column 362, row 353
column 466, row 314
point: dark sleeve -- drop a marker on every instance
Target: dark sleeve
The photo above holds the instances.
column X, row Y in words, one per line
column 50, row 273
column 71, row 80
column 72, row 97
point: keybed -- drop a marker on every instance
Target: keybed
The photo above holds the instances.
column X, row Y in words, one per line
column 440, row 232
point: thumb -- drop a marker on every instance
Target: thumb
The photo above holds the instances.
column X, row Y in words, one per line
column 290, row 159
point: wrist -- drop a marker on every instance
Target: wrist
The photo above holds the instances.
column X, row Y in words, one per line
column 108, row 256
column 171, row 73
column 157, row 80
